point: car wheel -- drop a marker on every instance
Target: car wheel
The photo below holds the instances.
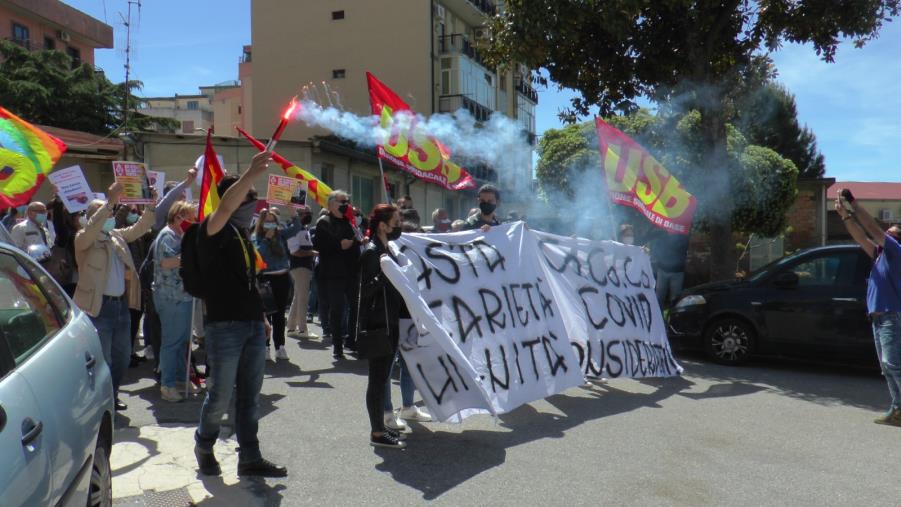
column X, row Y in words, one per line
column 729, row 341
column 101, row 492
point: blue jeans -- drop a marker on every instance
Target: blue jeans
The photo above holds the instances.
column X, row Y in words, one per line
column 113, row 325
column 887, row 332
column 236, row 353
column 669, row 286
column 175, row 320
column 407, row 388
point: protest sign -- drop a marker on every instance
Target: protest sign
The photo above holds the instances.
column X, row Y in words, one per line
column 512, row 315
column 300, row 240
column 72, row 188
column 157, row 180
column 285, row 191
column 133, row 177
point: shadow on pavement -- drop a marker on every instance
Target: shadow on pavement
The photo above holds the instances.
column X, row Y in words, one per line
column 247, row 492
column 133, row 435
column 825, row 384
column 440, row 461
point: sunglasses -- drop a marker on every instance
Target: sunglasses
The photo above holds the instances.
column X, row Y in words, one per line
column 345, row 201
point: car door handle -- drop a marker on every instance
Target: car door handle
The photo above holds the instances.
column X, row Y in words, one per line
column 2, row 418
column 89, row 360
column 33, row 432
column 845, row 300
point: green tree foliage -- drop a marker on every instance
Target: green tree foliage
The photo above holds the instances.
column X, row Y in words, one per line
column 769, row 117
column 694, row 55
column 761, row 184
column 44, row 88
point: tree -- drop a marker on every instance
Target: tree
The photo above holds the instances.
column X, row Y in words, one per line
column 761, row 184
column 692, row 55
column 769, row 118
column 43, row 87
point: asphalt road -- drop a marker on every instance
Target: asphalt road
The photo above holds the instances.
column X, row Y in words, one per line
column 772, row 433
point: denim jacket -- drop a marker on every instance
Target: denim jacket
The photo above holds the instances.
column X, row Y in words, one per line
column 277, row 262
column 167, row 282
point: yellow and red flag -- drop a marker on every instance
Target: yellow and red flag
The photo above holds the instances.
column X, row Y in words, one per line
column 411, row 149
column 635, row 179
column 211, row 175
column 315, row 187
column 27, row 155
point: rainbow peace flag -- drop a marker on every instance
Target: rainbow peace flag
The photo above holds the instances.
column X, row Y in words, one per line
column 27, row 156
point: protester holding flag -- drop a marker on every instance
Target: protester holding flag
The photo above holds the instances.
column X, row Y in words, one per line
column 339, row 250
column 489, row 197
column 379, row 306
column 236, row 327
column 271, row 241
column 170, row 300
column 108, row 284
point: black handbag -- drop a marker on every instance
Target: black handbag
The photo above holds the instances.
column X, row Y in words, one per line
column 373, row 343
column 264, row 287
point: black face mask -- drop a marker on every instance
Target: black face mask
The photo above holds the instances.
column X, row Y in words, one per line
column 394, row 235
column 306, row 219
column 487, row 208
column 343, row 209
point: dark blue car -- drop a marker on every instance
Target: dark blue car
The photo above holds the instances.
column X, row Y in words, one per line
column 811, row 304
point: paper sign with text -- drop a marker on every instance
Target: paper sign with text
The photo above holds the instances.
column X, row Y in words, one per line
column 512, row 315
column 133, row 177
column 157, row 180
column 285, row 191
column 72, row 188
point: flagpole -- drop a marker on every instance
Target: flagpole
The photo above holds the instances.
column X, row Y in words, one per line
column 383, row 183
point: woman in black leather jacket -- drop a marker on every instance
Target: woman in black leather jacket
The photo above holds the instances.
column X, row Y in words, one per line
column 379, row 310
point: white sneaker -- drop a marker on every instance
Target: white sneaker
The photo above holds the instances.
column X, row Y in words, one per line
column 309, row 336
column 192, row 389
column 171, row 394
column 415, row 413
column 269, row 355
column 148, row 353
column 395, row 423
column 281, row 353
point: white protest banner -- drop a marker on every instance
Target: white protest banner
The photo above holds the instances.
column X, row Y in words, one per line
column 72, row 188
column 157, row 181
column 512, row 316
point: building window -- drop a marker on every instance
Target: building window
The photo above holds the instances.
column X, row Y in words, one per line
column 336, row 15
column 75, row 55
column 49, row 44
column 327, row 174
column 187, row 127
column 21, row 35
column 239, row 109
column 338, row 74
column 363, row 192
column 193, row 105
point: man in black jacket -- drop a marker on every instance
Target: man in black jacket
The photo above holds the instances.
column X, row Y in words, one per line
column 339, row 250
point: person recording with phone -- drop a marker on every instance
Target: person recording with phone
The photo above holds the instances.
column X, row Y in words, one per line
column 883, row 292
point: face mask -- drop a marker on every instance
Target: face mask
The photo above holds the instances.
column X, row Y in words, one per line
column 242, row 216
column 394, row 235
column 132, row 218
column 306, row 219
column 40, row 218
column 21, row 209
column 270, row 226
column 109, row 225
column 359, row 218
column 487, row 208
column 628, row 240
column 342, row 209
column 184, row 225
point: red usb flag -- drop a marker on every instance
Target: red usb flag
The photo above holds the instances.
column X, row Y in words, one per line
column 635, row 179
column 411, row 149
column 211, row 175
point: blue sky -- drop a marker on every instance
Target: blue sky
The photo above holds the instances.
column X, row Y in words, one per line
column 853, row 105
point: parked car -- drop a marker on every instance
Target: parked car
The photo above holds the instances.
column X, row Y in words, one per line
column 56, row 394
column 811, row 304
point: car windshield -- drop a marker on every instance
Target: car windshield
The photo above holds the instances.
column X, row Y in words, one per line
column 758, row 273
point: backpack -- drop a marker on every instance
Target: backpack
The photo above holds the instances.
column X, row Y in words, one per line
column 145, row 272
column 191, row 269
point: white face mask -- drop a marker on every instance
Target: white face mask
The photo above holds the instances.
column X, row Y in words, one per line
column 628, row 240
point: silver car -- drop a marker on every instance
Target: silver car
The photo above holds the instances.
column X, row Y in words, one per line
column 56, row 394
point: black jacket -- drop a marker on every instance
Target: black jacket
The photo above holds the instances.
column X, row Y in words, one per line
column 334, row 262
column 379, row 300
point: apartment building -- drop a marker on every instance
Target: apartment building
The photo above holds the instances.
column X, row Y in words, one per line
column 51, row 24
column 425, row 50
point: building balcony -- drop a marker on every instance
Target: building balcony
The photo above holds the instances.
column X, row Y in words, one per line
column 482, row 173
column 453, row 103
column 525, row 90
column 458, row 44
column 531, row 137
column 473, row 12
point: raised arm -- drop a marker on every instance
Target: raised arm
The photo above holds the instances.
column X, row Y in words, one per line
column 856, row 229
column 162, row 208
column 236, row 193
column 868, row 224
column 86, row 237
